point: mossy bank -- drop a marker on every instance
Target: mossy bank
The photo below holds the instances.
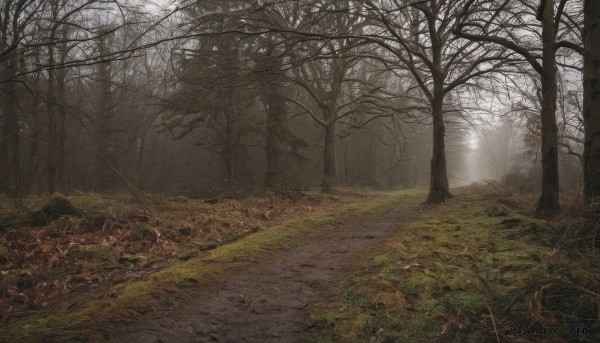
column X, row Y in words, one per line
column 468, row 271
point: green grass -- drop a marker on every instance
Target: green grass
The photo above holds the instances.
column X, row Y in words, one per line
column 72, row 320
column 444, row 275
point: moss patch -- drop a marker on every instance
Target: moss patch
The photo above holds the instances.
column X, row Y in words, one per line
column 460, row 274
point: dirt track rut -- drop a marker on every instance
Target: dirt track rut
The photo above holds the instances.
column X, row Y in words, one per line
column 269, row 301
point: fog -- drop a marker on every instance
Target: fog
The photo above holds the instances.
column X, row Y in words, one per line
column 198, row 99
column 299, row 170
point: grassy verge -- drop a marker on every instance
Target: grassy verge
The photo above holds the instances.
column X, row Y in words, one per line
column 466, row 272
column 69, row 321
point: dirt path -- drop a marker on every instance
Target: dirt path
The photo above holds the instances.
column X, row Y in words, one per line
column 267, row 302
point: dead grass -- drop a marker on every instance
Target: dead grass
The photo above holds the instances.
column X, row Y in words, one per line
column 116, row 239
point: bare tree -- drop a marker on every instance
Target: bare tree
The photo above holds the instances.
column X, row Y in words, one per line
column 419, row 35
column 340, row 93
column 16, row 18
column 502, row 28
column 322, row 80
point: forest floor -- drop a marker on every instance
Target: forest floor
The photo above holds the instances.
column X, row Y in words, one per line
column 353, row 267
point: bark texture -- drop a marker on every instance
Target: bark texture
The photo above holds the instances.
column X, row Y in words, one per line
column 329, row 172
column 591, row 100
column 439, row 189
column 330, row 116
column 275, row 108
column 10, row 143
column 52, row 112
column 105, row 177
column 548, row 204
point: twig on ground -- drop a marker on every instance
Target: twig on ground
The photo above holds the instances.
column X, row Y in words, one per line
column 493, row 322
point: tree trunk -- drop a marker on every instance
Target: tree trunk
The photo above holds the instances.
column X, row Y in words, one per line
column 61, row 130
column 439, row 189
column 61, row 76
column 104, row 125
column 275, row 116
column 329, row 159
column 591, row 101
column 10, row 143
column 271, row 149
column 52, row 126
column 548, row 204
column 228, row 158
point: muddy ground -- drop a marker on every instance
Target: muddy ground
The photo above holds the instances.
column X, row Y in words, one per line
column 269, row 302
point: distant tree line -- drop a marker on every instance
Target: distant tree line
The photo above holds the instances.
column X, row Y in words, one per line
column 205, row 96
